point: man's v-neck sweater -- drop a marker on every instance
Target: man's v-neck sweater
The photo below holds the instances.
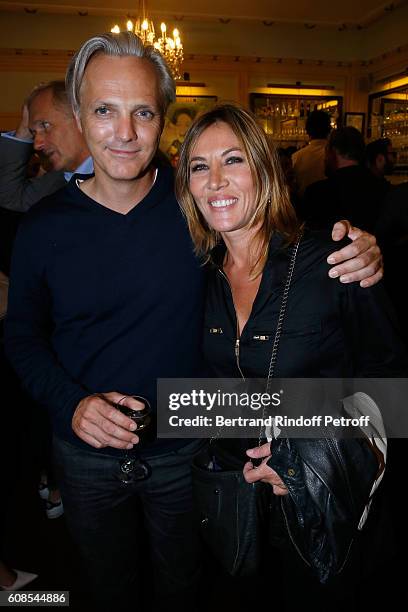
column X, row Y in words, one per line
column 102, row 301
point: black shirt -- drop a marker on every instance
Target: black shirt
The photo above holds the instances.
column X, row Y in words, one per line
column 351, row 193
column 330, row 329
column 101, row 301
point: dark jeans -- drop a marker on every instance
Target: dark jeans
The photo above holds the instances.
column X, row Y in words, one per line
column 110, row 533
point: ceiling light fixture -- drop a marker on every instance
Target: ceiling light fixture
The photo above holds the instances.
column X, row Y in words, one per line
column 171, row 48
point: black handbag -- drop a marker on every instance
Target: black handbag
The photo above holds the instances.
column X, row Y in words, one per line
column 232, row 513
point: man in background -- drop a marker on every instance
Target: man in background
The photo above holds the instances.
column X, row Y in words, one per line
column 380, row 158
column 48, row 127
column 308, row 163
column 350, row 191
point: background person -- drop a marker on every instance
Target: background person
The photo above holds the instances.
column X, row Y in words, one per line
column 10, row 457
column 380, row 160
column 309, row 162
column 48, row 127
column 350, row 191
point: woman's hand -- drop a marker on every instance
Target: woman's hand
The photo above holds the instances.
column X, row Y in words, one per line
column 263, row 471
column 363, row 259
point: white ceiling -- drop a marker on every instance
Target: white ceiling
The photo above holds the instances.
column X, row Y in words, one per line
column 347, row 13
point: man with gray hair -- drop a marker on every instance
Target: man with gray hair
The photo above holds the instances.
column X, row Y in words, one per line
column 48, row 126
column 107, row 297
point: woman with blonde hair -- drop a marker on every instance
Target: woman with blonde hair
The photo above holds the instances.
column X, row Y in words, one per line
column 231, row 189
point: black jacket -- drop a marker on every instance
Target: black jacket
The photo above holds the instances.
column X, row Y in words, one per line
column 392, row 235
column 331, row 329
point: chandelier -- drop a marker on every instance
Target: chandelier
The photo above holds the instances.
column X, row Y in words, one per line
column 171, row 48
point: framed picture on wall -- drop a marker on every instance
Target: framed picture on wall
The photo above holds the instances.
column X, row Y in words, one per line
column 356, row 120
column 179, row 117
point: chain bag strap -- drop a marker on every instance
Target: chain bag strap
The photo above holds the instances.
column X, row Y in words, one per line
column 279, row 327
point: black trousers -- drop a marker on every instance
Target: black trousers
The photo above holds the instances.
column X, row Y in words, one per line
column 111, row 534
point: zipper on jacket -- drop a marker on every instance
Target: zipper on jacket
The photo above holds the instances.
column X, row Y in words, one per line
column 237, row 345
column 237, row 357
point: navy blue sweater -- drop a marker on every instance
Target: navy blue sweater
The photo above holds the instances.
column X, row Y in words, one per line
column 101, row 301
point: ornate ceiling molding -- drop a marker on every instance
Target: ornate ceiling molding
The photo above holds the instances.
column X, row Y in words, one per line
column 215, row 12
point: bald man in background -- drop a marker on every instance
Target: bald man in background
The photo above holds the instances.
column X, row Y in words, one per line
column 48, row 127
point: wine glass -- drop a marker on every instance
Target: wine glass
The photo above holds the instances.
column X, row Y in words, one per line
column 134, row 468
